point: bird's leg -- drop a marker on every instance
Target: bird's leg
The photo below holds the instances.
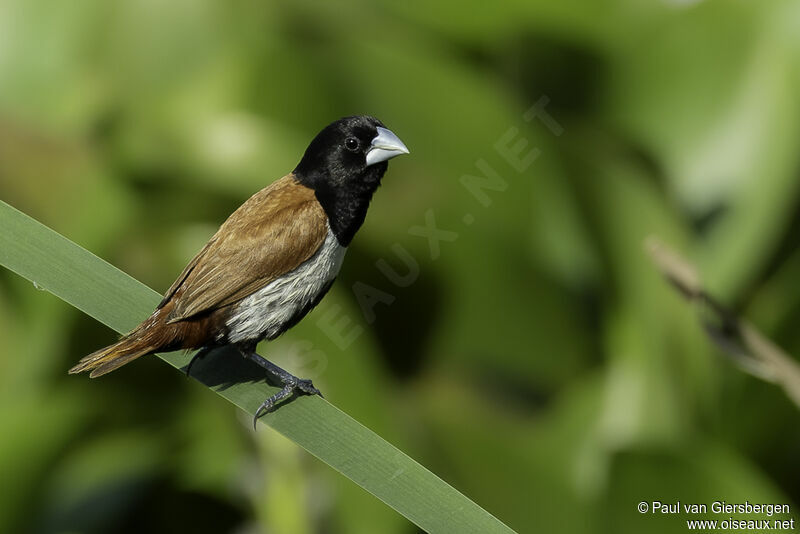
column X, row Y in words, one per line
column 199, row 355
column 291, row 383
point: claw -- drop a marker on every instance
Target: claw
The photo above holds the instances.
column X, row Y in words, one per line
column 307, row 387
column 269, row 404
column 291, row 384
column 290, row 387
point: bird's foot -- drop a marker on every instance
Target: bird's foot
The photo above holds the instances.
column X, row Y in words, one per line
column 306, row 386
column 292, row 385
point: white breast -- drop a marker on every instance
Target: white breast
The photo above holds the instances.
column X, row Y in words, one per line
column 265, row 313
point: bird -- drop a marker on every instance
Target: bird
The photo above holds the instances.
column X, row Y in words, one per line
column 271, row 261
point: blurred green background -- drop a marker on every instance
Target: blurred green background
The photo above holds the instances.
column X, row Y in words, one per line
column 539, row 364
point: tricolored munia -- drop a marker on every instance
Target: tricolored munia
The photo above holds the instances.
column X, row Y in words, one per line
column 271, row 261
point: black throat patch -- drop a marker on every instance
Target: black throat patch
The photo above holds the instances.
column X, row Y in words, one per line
column 346, row 205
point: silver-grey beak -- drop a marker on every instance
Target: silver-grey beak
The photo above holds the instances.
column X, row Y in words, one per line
column 385, row 145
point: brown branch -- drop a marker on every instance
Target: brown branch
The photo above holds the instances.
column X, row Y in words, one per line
column 752, row 352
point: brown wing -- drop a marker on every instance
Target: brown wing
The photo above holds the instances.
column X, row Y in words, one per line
column 272, row 233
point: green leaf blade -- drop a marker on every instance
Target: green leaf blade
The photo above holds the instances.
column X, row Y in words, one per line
column 102, row 291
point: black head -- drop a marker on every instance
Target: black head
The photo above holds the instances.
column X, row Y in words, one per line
column 344, row 165
column 349, row 152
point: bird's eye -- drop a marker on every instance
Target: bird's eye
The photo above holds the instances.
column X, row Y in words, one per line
column 351, row 143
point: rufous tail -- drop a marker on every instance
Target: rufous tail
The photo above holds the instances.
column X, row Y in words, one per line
column 106, row 360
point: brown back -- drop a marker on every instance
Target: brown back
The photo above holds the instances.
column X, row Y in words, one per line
column 272, row 233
